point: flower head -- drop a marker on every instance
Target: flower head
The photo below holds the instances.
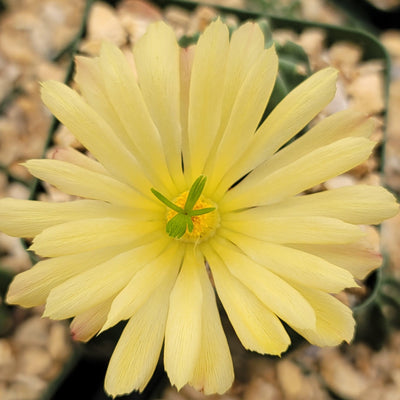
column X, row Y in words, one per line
column 184, row 177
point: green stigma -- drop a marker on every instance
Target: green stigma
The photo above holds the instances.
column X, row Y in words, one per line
column 176, row 226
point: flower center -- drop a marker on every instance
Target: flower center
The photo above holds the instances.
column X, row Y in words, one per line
column 204, row 225
column 189, row 217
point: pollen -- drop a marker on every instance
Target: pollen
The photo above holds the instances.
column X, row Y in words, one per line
column 204, row 226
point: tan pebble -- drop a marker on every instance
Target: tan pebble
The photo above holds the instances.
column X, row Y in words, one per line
column 59, row 341
column 393, row 126
column 313, row 390
column 191, row 393
column 373, row 178
column 282, row 36
column 17, row 259
column 25, row 387
column 34, row 360
column 260, row 389
column 379, row 391
column 3, row 389
column 178, row 18
column 32, row 332
column 340, row 181
column 135, row 17
column 341, row 377
column 103, row 24
column 312, row 41
column 6, row 353
column 261, row 367
column 170, row 393
column 7, row 361
column 345, row 54
column 64, row 138
column 366, row 93
column 47, row 70
column 390, row 234
column 321, row 11
column 201, row 18
column 391, row 40
column 18, row 191
column 291, row 379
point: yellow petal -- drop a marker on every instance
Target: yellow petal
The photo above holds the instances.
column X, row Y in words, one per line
column 359, row 258
column 359, row 204
column 314, row 168
column 26, row 218
column 79, row 181
column 247, row 110
column 214, row 370
column 94, row 133
column 184, row 324
column 347, row 123
column 90, row 234
column 276, row 294
column 291, row 115
column 87, row 324
column 245, row 48
column 125, row 95
column 320, row 230
column 157, row 58
column 72, row 156
column 98, row 284
column 31, row 288
column 90, row 81
column 185, row 63
column 206, row 93
column 164, row 263
column 138, row 349
column 335, row 322
column 256, row 326
column 293, row 265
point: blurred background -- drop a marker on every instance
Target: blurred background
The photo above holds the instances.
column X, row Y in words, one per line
column 38, row 40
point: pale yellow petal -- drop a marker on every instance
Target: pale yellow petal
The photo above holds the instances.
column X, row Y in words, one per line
column 26, row 218
column 276, row 294
column 214, row 370
column 256, row 326
column 87, row 324
column 98, row 284
column 245, row 48
column 157, row 58
column 294, row 266
column 247, row 110
column 314, row 168
column 137, row 352
column 164, row 264
column 291, row 115
column 359, row 204
column 184, row 323
column 185, row 64
column 91, row 84
column 72, row 156
column 335, row 322
column 206, row 93
column 321, row 230
column 78, row 181
column 32, row 287
column 90, row 234
column 347, row 123
column 127, row 100
column 94, row 133
column 359, row 258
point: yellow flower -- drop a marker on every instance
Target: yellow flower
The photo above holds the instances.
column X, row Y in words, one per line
column 178, row 148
